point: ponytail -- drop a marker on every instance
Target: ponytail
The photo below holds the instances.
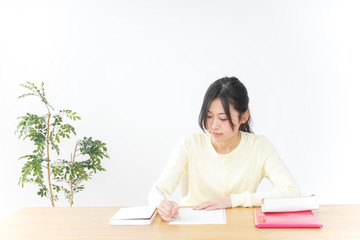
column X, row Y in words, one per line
column 245, row 127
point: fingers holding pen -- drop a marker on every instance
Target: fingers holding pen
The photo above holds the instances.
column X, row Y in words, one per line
column 166, row 212
column 175, row 208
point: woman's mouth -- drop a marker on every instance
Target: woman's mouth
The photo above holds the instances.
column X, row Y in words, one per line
column 215, row 134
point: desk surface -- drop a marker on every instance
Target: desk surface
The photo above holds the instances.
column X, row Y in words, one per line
column 340, row 222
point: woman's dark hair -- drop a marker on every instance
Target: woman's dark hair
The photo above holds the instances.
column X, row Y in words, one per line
column 230, row 91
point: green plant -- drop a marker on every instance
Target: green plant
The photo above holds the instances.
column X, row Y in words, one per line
column 46, row 132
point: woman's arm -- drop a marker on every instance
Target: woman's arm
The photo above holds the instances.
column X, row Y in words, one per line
column 284, row 184
column 172, row 174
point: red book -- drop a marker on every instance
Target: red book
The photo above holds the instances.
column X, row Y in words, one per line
column 303, row 219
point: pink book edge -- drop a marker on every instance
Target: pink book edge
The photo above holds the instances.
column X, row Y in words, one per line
column 258, row 214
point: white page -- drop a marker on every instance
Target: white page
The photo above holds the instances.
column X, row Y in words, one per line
column 189, row 216
column 290, row 204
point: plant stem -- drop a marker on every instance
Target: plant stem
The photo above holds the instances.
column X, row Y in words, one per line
column 71, row 182
column 48, row 159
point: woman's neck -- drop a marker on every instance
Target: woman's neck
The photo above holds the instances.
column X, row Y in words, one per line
column 227, row 146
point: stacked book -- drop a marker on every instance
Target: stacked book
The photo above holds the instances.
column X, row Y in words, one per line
column 134, row 216
column 293, row 212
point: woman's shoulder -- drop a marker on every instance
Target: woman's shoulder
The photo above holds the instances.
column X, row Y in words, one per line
column 255, row 139
column 197, row 138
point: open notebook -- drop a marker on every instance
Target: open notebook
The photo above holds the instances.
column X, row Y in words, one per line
column 134, row 216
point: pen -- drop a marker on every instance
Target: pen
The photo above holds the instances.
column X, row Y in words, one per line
column 163, row 196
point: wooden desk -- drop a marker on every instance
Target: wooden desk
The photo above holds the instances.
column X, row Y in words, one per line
column 340, row 222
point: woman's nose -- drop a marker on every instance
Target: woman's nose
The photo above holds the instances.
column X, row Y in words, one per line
column 215, row 124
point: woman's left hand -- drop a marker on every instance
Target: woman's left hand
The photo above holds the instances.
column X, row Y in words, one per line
column 217, row 203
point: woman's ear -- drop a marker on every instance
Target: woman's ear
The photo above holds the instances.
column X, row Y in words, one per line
column 244, row 117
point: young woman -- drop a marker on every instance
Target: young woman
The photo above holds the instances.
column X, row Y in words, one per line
column 226, row 162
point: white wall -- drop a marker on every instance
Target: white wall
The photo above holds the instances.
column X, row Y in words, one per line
column 136, row 72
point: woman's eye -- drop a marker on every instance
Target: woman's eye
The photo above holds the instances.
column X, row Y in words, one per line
column 223, row 119
column 208, row 117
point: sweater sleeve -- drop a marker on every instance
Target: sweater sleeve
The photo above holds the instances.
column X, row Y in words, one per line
column 172, row 174
column 274, row 169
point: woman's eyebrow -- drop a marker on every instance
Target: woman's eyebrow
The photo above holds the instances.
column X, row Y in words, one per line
column 218, row 113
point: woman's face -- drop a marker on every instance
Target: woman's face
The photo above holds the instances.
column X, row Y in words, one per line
column 217, row 123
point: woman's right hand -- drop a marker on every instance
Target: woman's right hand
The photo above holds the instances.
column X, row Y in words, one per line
column 166, row 212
